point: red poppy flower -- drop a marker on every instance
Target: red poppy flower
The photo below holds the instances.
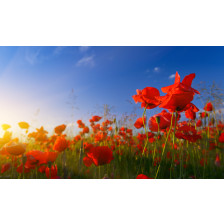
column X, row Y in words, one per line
column 20, row 169
column 87, row 146
column 141, row 137
column 42, row 169
column 51, row 156
column 147, row 96
column 142, row 176
column 208, row 107
column 199, row 123
column 87, row 161
column 188, row 133
column 5, row 167
column 100, row 155
column 96, row 118
column 221, row 138
column 35, row 158
column 161, row 120
column 77, row 138
column 190, row 113
column 80, row 124
column 100, row 136
column 85, row 130
column 139, row 123
column 59, row 129
column 60, row 144
column 203, row 114
column 179, row 95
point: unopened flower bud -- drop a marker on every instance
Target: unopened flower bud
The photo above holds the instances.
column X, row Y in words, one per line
column 158, row 119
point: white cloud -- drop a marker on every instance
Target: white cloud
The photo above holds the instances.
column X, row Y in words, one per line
column 32, row 57
column 156, row 69
column 83, row 49
column 172, row 76
column 86, row 61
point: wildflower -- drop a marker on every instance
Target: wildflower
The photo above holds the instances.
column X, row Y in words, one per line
column 21, row 169
column 15, row 149
column 142, row 176
column 23, row 125
column 85, row 130
column 188, row 133
column 164, row 121
column 51, row 156
column 6, row 138
column 199, row 123
column 208, row 107
column 140, row 122
column 221, row 138
column 203, row 114
column 96, row 118
column 60, row 144
column 87, row 146
column 80, row 124
column 41, row 131
column 179, row 95
column 100, row 155
column 147, row 97
column 59, row 129
column 100, row 136
column 77, row 138
column 5, row 167
column 141, row 137
column 6, row 127
column 35, row 158
column 190, row 113
column 87, row 161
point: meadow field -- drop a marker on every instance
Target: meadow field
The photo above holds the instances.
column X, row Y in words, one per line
column 178, row 142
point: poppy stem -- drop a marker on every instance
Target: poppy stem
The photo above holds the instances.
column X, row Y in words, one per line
column 99, row 172
column 143, row 152
column 143, row 120
column 12, row 168
column 164, row 146
column 158, row 133
column 208, row 134
column 174, row 136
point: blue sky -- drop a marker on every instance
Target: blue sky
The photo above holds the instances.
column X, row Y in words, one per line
column 35, row 82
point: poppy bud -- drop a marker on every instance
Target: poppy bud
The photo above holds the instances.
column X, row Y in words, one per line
column 158, row 119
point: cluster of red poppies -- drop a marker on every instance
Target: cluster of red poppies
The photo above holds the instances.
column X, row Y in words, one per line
column 165, row 140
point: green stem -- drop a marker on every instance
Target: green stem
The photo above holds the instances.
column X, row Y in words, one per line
column 164, row 146
column 143, row 120
column 175, row 124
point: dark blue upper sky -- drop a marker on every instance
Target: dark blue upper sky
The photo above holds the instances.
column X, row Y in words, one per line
column 35, row 82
